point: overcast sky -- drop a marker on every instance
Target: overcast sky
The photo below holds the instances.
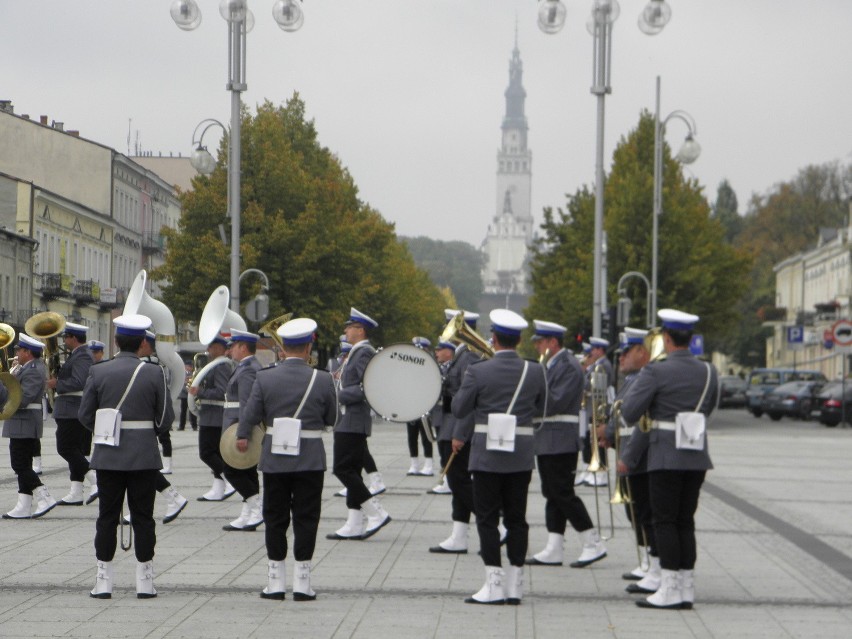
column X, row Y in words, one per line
column 409, row 94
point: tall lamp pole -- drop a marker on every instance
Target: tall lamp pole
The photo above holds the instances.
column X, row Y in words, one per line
column 551, row 19
column 689, row 152
column 186, row 14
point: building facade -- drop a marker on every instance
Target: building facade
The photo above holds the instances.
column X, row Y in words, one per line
column 506, row 246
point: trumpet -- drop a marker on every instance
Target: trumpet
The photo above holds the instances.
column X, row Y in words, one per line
column 46, row 326
column 13, row 386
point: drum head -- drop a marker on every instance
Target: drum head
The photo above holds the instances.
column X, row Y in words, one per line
column 402, row 382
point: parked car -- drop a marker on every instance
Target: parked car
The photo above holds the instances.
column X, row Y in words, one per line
column 761, row 380
column 793, row 399
column 732, row 392
column 831, row 410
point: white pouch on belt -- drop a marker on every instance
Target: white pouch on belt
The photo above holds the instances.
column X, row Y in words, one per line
column 286, row 435
column 690, row 426
column 107, row 426
column 501, row 432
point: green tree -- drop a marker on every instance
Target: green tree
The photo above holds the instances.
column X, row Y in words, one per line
column 303, row 225
column 725, row 210
column 457, row 265
column 698, row 271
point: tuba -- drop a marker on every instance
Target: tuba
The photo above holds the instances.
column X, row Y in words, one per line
column 163, row 324
column 46, row 326
column 272, row 326
column 13, row 386
column 457, row 330
column 654, row 345
column 217, row 317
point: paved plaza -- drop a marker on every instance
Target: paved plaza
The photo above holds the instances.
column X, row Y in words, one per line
column 774, row 536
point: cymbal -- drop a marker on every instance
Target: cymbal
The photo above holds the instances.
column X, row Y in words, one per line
column 233, row 457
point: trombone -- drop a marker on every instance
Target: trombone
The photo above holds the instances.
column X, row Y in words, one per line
column 626, row 496
column 13, row 386
column 598, row 399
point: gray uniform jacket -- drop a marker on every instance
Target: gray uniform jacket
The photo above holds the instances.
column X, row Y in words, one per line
column 488, row 387
column 70, row 381
column 454, row 428
column 277, row 392
column 638, row 456
column 664, row 389
column 558, row 435
column 153, row 359
column 27, row 422
column 211, row 392
column 148, row 400
column 354, row 410
column 239, row 389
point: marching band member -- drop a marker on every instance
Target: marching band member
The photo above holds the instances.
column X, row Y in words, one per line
column 211, row 395
column 175, row 502
column 23, row 429
column 73, row 442
column 504, row 394
column 557, row 445
column 416, row 429
column 130, row 463
column 245, row 480
column 596, row 355
column 444, row 352
column 96, row 348
column 633, row 358
column 292, row 480
column 458, row 476
column 351, row 433
column 675, row 392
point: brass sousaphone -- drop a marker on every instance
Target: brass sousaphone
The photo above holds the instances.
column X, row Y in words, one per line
column 13, row 386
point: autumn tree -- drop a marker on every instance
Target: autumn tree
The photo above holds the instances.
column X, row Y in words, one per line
column 454, row 264
column 698, row 271
column 725, row 210
column 303, row 225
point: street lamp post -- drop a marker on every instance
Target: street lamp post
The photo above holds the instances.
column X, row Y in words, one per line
column 689, row 152
column 186, row 14
column 624, row 302
column 551, row 19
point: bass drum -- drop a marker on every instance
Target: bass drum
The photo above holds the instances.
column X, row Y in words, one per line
column 402, row 382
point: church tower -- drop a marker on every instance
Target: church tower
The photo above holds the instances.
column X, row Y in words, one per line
column 505, row 248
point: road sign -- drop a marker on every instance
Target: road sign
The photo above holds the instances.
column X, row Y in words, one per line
column 841, row 332
column 795, row 338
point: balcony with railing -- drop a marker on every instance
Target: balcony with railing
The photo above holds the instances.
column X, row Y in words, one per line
column 153, row 243
column 54, row 285
column 86, row 291
column 110, row 298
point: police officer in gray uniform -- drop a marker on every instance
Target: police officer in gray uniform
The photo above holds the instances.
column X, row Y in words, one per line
column 138, row 390
column 211, row 395
column 666, row 390
column 73, row 442
column 245, row 480
column 501, row 456
column 444, row 353
column 458, row 475
column 557, row 446
column 24, row 428
column 292, row 483
column 352, row 431
column 633, row 358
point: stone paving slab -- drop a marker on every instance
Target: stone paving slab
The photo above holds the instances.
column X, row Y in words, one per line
column 752, row 580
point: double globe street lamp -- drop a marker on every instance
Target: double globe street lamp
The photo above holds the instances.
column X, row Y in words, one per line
column 652, row 20
column 187, row 16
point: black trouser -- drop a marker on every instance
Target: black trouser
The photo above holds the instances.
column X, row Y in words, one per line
column 674, row 500
column 369, row 463
column 162, row 482
column 140, row 487
column 21, row 460
column 301, row 494
column 73, row 442
column 166, row 442
column 37, row 447
column 184, row 409
column 348, row 460
column 245, row 480
column 557, row 487
column 445, row 449
column 416, row 428
column 643, row 524
column 460, row 482
column 587, row 448
column 506, row 493
column 208, row 449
